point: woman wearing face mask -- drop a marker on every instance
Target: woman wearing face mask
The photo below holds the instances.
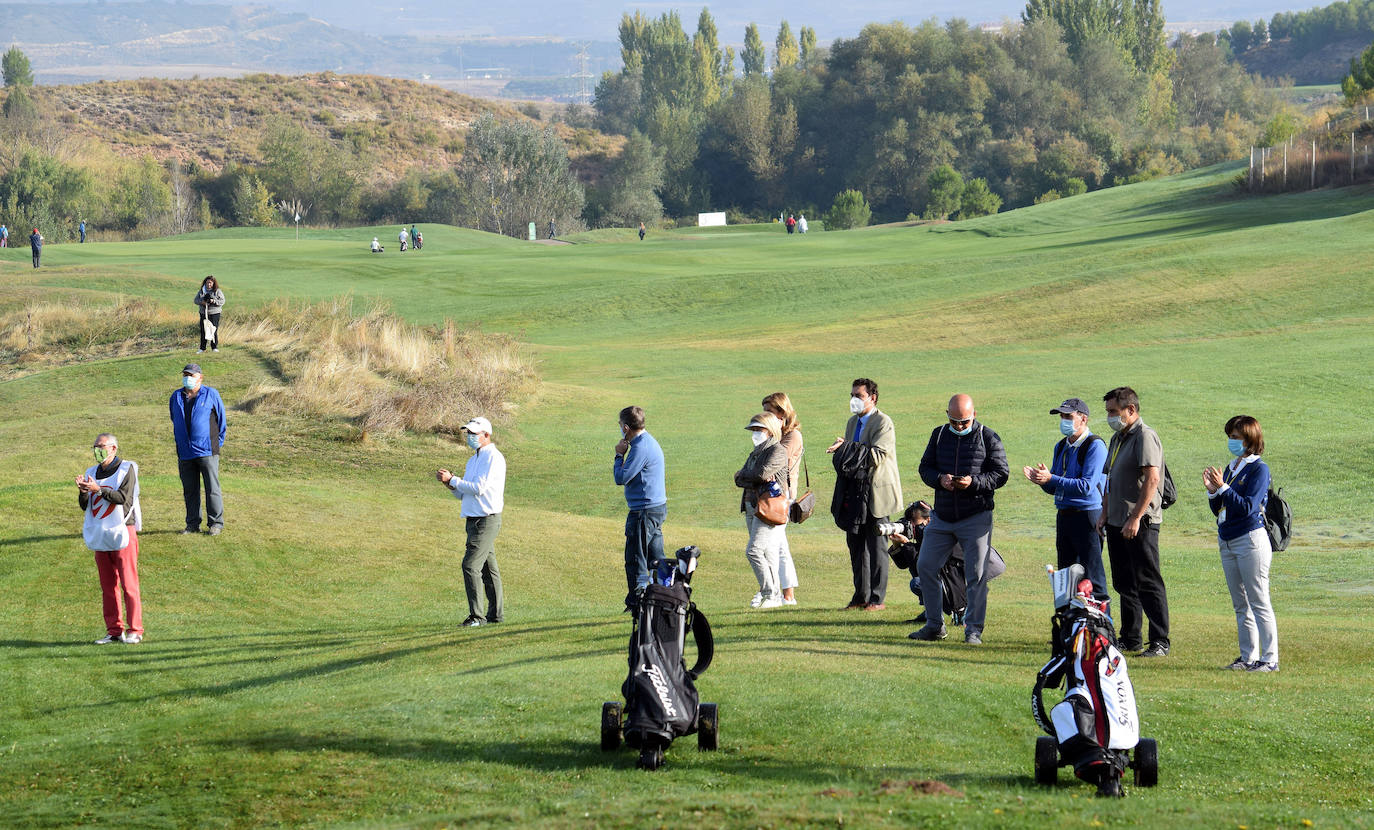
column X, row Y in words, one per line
column 211, row 301
column 765, row 466
column 780, row 406
column 1237, row 495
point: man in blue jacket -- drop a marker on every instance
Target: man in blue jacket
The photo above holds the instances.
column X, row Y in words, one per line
column 198, row 426
column 1076, row 481
column 639, row 469
column 965, row 462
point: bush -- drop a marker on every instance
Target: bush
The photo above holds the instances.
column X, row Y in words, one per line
column 849, row 211
column 978, row 200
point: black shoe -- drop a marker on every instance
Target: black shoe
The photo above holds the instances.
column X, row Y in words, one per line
column 1155, row 650
column 188, row 529
column 1129, row 648
column 929, row 632
column 473, row 622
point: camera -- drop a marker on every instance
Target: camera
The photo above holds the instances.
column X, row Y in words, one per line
column 889, row 528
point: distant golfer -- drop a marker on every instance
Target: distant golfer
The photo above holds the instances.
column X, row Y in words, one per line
column 82, row 230
column 483, row 491
column 403, row 237
column 108, row 495
column 36, row 243
column 641, row 231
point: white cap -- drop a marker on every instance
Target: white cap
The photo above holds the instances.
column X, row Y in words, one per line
column 478, row 424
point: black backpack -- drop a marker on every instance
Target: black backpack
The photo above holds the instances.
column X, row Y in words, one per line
column 1168, row 493
column 1278, row 519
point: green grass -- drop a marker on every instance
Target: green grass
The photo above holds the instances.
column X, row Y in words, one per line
column 305, row 668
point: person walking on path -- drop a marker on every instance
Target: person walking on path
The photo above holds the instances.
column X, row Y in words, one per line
column 1134, row 508
column 403, row 237
column 81, row 229
column 639, row 468
column 210, row 299
column 414, row 237
column 868, row 488
column 801, row 223
column 1076, row 481
column 965, row 463
column 791, row 224
column 4, row 236
column 482, row 490
column 36, row 243
column 108, row 495
column 780, row 406
column 198, row 425
column 1237, row 495
column 764, row 469
column 641, row 231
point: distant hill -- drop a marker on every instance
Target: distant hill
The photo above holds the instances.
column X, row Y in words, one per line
column 397, row 124
column 1327, row 64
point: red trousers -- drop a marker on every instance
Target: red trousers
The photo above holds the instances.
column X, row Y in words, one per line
column 119, row 572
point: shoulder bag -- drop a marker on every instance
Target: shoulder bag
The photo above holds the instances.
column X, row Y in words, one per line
column 805, row 504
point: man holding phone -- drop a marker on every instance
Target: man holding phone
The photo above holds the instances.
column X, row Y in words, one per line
column 482, row 490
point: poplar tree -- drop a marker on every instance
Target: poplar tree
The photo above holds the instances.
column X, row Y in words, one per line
column 755, row 61
column 786, row 53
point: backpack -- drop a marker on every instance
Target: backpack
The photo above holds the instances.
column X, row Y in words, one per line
column 1168, row 493
column 1278, row 520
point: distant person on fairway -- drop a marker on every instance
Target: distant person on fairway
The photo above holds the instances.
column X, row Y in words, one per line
column 553, row 230
column 199, row 428
column 965, row 462
column 868, row 488
column 641, row 231
column 483, row 492
column 376, row 246
column 764, row 473
column 791, row 224
column 81, row 229
column 801, row 223
column 4, row 236
column 108, row 495
column 639, row 468
column 1134, row 508
column 780, row 406
column 1076, row 481
column 1238, row 494
column 36, row 243
column 210, row 300
column 419, row 240
column 403, row 237
column 414, row 237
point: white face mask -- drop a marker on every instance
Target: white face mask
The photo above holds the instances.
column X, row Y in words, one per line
column 856, row 405
column 758, row 435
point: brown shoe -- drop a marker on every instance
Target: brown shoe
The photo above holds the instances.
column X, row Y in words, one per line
column 852, row 606
column 876, row 606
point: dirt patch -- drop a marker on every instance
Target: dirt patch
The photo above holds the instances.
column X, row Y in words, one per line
column 919, row 787
column 834, row 793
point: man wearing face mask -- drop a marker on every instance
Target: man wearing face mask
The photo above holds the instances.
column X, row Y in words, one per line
column 1134, row 508
column 868, row 488
column 198, row 427
column 1076, row 481
column 482, row 490
column 108, row 494
column 639, row 468
column 965, row 462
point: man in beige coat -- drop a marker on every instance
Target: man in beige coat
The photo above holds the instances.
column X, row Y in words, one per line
column 867, row 452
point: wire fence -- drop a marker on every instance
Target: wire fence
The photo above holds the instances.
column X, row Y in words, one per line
column 1336, row 156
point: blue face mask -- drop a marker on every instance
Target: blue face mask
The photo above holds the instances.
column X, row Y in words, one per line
column 961, row 432
column 472, row 441
column 188, row 383
column 1236, row 446
column 1066, row 426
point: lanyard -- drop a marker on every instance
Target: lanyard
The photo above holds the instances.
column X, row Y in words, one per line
column 1234, row 475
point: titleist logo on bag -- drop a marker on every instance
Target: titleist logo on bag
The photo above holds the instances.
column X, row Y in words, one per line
column 665, row 695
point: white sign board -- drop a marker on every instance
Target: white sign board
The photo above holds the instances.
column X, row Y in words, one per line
column 708, row 220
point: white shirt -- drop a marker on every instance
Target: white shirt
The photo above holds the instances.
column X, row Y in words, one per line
column 483, row 485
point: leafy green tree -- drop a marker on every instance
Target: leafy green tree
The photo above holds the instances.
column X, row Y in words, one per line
column 1355, row 85
column 253, row 203
column 946, row 188
column 1137, row 26
column 299, row 165
column 1261, row 33
column 712, row 66
column 850, row 210
column 513, row 173
column 141, row 199
column 755, row 61
column 978, row 200
column 786, row 52
column 43, row 192
column 19, row 106
column 1242, row 36
column 808, row 54
column 17, row 70
column 628, row 191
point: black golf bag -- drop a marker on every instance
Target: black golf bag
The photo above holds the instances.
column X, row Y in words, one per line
column 661, row 701
column 1096, row 725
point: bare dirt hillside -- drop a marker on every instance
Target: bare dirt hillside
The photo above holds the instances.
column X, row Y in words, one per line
column 1325, row 65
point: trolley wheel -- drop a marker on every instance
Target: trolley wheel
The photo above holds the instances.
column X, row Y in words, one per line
column 1046, row 760
column 1146, row 763
column 610, row 726
column 708, row 727
column 650, row 758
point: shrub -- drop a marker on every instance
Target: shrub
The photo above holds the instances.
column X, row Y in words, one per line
column 849, row 211
column 978, row 200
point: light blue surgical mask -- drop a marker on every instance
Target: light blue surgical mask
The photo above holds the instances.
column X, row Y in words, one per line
column 1236, row 446
column 472, row 441
column 961, row 432
column 1114, row 421
column 188, row 383
column 1066, row 426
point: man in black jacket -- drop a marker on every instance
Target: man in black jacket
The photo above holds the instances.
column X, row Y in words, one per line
column 965, row 463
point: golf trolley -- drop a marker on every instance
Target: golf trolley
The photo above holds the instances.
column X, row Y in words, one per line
column 661, row 701
column 1095, row 729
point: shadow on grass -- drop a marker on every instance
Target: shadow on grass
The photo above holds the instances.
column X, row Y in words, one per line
column 29, row 540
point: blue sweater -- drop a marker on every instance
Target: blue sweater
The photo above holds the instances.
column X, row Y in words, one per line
column 641, row 473
column 1244, row 500
column 1074, row 485
column 196, row 443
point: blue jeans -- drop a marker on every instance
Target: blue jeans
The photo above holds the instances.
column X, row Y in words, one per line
column 1077, row 543
column 643, row 546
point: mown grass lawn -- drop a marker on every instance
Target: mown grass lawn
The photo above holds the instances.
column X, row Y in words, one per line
column 306, row 667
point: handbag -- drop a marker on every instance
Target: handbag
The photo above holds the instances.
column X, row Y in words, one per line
column 771, row 509
column 804, row 506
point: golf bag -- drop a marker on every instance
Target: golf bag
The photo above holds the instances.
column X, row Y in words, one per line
column 1096, row 724
column 661, row 702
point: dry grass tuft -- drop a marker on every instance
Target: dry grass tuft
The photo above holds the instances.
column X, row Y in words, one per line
column 46, row 333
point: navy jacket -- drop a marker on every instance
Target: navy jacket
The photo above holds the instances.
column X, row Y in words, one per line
column 978, row 454
column 1244, row 500
column 200, row 440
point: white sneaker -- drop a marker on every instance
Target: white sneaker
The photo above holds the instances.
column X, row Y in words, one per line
column 757, row 600
column 131, row 638
column 215, row 350
column 200, row 351
column 771, row 602
column 108, row 638
column 789, row 600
